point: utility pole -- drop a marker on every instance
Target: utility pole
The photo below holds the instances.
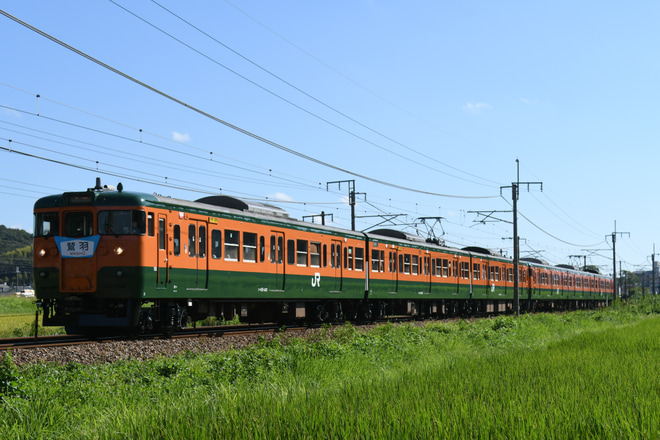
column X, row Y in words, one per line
column 515, row 186
column 614, row 234
column 351, row 196
column 653, row 271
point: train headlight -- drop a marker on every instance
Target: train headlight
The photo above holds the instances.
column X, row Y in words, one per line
column 119, row 250
column 42, row 252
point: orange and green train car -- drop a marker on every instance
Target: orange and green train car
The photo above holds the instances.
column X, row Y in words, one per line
column 110, row 259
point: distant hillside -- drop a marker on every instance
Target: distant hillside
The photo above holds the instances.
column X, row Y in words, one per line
column 15, row 251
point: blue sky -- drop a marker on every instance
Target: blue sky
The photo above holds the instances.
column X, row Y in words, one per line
column 425, row 104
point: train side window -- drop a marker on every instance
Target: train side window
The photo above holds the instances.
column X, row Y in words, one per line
column 406, row 263
column 202, row 242
column 231, row 245
column 338, row 257
column 262, row 248
column 400, row 263
column 445, row 267
column 273, row 255
column 476, row 271
column 177, row 239
column 315, row 254
column 375, row 260
column 415, row 265
column 161, row 233
column 216, row 244
column 325, row 255
column 291, row 251
column 250, row 247
column 350, row 257
column 192, row 244
column 301, row 252
column 280, row 249
column 359, row 258
column 150, row 224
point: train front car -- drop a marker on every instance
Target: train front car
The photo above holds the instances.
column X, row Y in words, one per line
column 89, row 258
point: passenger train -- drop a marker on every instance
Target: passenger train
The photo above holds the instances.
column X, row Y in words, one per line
column 107, row 259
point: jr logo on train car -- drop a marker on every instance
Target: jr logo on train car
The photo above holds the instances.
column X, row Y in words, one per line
column 316, row 280
column 77, row 247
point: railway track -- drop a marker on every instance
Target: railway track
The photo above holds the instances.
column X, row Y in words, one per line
column 66, row 340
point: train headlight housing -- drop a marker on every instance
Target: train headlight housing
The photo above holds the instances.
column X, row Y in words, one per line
column 119, row 250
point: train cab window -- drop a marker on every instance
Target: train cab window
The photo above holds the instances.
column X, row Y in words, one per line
column 315, row 254
column 192, row 244
column 46, row 223
column 177, row 239
column 216, row 244
column 122, row 222
column 150, row 224
column 202, row 242
column 161, row 233
column 231, row 245
column 78, row 224
column 359, row 258
column 250, row 247
column 301, row 252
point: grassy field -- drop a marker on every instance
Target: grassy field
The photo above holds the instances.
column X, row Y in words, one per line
column 17, row 315
column 591, row 375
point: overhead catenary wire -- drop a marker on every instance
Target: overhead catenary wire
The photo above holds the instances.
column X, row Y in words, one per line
column 228, row 124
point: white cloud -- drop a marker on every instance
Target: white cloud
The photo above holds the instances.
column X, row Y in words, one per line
column 476, row 107
column 281, row 197
column 179, row 137
column 11, row 112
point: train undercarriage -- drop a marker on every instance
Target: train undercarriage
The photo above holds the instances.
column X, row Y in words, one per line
column 94, row 316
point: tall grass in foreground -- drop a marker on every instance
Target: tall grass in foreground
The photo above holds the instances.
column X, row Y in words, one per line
column 575, row 375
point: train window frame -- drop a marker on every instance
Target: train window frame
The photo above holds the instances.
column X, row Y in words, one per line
column 161, row 234
column 150, row 224
column 359, row 259
column 122, row 222
column 476, row 271
column 414, row 264
column 249, row 247
column 291, row 252
column 465, row 270
column 192, row 244
column 315, row 254
column 47, row 224
column 375, row 260
column 78, row 224
column 232, row 245
column 302, row 251
column 262, row 248
column 176, row 238
column 216, row 244
column 201, row 250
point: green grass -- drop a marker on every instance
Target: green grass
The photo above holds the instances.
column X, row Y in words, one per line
column 590, row 375
column 17, row 316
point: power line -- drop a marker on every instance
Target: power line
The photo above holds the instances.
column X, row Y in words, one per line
column 226, row 123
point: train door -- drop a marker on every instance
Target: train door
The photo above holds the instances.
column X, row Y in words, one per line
column 197, row 249
column 335, row 256
column 162, row 270
column 394, row 272
column 277, row 259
